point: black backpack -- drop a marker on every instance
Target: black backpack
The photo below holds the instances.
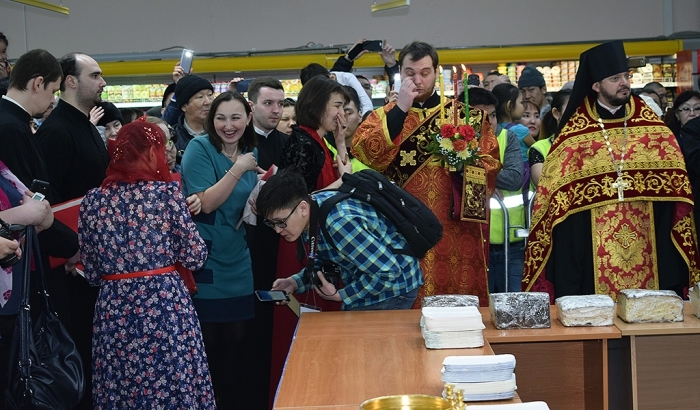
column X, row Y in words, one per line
column 416, row 222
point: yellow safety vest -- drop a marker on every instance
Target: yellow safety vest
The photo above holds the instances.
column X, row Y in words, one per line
column 513, row 201
column 543, row 146
column 356, row 164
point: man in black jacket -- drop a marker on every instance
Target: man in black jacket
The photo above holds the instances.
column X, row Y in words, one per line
column 76, row 159
column 30, row 95
column 33, row 82
column 266, row 96
column 75, row 155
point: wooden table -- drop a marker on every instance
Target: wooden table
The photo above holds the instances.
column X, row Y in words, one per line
column 661, row 361
column 340, row 359
column 566, row 367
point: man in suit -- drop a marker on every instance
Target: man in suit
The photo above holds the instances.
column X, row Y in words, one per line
column 33, row 82
column 30, row 94
column 75, row 155
column 76, row 159
column 266, row 97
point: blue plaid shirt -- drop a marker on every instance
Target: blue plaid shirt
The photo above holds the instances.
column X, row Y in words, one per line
column 370, row 271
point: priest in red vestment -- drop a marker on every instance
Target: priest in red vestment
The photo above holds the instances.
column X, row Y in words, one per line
column 613, row 208
column 394, row 140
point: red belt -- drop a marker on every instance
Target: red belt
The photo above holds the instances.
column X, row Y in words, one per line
column 141, row 274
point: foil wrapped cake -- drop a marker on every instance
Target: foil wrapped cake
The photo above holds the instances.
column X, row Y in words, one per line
column 520, row 310
column 450, row 301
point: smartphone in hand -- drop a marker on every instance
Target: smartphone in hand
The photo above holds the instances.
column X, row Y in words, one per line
column 40, row 187
column 186, row 60
column 372, row 45
column 242, row 86
column 272, row 295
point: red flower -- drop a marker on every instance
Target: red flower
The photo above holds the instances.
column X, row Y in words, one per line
column 447, row 131
column 459, row 145
column 467, row 132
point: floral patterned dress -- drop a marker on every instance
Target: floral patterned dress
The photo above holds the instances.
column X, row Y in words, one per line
column 147, row 345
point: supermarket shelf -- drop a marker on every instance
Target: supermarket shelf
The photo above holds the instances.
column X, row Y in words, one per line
column 150, row 104
column 478, row 55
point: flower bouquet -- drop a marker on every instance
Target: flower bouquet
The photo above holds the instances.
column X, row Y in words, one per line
column 458, row 149
column 456, row 146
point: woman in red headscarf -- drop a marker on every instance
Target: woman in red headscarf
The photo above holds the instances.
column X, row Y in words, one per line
column 147, row 343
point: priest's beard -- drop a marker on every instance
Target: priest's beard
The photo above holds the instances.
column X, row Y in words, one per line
column 616, row 99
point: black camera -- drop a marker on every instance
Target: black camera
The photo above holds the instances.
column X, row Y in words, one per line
column 6, row 232
column 330, row 271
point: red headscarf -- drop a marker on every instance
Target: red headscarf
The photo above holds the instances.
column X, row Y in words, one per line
column 131, row 157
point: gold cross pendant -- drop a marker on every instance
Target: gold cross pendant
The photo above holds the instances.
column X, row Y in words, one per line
column 620, row 184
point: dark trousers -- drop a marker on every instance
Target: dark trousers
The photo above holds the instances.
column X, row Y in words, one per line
column 231, row 364
column 497, row 272
column 7, row 329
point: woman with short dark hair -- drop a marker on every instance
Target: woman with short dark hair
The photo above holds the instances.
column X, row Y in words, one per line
column 221, row 169
column 320, row 109
column 685, row 108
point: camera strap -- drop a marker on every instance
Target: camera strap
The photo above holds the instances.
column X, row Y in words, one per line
column 313, row 239
column 309, row 272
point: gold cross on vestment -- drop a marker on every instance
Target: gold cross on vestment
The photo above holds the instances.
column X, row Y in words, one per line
column 620, row 184
column 408, row 158
column 625, row 236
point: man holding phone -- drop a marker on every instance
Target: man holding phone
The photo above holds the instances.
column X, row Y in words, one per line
column 374, row 277
column 363, row 46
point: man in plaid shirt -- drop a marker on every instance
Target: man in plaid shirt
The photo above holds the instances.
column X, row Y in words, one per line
column 373, row 276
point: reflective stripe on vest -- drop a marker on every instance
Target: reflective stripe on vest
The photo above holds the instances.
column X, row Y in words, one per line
column 513, row 201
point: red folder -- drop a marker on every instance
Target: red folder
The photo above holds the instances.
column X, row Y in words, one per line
column 66, row 212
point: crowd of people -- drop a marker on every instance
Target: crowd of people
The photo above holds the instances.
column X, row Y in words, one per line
column 164, row 312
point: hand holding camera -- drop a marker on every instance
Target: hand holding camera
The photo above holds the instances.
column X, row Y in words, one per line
column 9, row 248
column 325, row 288
column 326, row 281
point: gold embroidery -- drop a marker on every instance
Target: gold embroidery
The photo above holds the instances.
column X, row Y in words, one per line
column 625, row 236
column 624, row 247
column 474, row 195
column 577, row 176
column 408, row 158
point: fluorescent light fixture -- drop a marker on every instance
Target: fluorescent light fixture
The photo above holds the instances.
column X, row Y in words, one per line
column 44, row 5
column 389, row 5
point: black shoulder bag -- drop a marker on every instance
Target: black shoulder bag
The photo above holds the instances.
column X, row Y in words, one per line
column 46, row 371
